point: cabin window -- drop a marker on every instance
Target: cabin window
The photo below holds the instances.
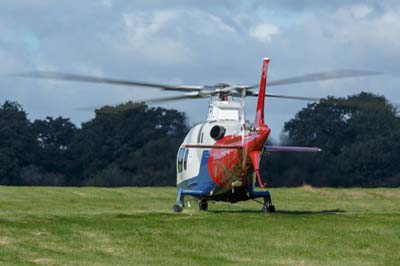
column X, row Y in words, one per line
column 186, row 158
column 181, row 155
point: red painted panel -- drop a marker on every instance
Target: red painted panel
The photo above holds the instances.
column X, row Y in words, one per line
column 225, row 165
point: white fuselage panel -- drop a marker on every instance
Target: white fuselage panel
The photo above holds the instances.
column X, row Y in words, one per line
column 189, row 159
column 224, row 110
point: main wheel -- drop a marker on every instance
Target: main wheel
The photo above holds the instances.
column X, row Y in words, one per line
column 203, row 205
column 268, row 207
column 265, row 209
column 177, row 208
column 271, row 208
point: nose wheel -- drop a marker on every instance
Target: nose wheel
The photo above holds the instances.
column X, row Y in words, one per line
column 177, row 208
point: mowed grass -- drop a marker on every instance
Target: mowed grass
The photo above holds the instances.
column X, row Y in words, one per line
column 135, row 226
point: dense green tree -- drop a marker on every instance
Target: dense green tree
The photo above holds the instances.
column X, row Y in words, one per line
column 134, row 145
column 53, row 156
column 130, row 144
column 17, row 143
column 55, row 134
column 358, row 136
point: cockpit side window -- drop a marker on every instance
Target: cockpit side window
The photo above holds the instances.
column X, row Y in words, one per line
column 185, row 160
column 181, row 155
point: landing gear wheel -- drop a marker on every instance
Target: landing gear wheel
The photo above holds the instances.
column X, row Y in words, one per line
column 203, row 205
column 177, row 208
column 271, row 208
column 268, row 207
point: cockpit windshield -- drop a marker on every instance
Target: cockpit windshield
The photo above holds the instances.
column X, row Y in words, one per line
column 181, row 155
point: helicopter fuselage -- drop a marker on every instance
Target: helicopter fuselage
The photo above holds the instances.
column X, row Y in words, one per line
column 219, row 158
column 215, row 172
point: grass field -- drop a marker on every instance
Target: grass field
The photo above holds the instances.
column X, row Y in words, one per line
column 134, row 226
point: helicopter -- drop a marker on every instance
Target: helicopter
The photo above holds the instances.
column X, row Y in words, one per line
column 219, row 157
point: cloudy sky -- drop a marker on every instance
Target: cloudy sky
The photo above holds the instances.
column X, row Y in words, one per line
column 194, row 42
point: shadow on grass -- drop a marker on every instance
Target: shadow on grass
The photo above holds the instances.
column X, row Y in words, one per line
column 334, row 211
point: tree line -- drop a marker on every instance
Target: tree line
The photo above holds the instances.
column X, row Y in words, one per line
column 134, row 145
column 127, row 145
column 359, row 137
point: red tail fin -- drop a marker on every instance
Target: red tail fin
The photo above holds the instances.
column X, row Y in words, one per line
column 261, row 95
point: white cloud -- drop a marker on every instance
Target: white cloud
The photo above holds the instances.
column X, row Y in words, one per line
column 106, row 3
column 353, row 12
column 360, row 11
column 378, row 33
column 199, row 42
column 143, row 34
column 167, row 35
column 150, row 23
column 208, row 23
column 264, row 32
column 140, row 25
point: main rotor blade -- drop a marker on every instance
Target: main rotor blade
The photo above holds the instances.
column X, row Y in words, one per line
column 131, row 105
column 292, row 97
column 314, row 99
column 352, row 103
column 321, row 76
column 172, row 98
column 93, row 79
column 331, row 102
